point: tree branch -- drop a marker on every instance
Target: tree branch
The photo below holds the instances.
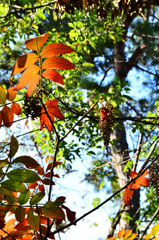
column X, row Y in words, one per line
column 148, row 225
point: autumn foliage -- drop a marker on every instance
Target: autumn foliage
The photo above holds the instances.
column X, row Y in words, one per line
column 137, row 183
column 26, row 212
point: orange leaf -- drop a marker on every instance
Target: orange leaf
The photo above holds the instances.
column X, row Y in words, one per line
column 53, row 109
column 54, row 76
column 120, row 233
column 7, row 116
column 22, row 224
column 44, row 120
column 16, row 108
column 141, row 181
column 51, row 103
column 27, row 76
column 2, row 95
column 57, row 63
column 43, row 220
column 11, row 94
column 32, row 84
column 33, row 185
column 128, row 193
column 53, row 49
column 37, row 42
column 56, row 112
column 127, row 234
column 24, row 62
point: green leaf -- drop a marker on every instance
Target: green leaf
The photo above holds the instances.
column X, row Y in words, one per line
column 11, row 199
column 33, row 220
column 4, row 191
column 37, row 198
column 23, row 175
column 28, row 161
column 13, row 186
column 41, row 16
column 24, row 197
column 50, row 211
column 20, row 214
column 13, row 147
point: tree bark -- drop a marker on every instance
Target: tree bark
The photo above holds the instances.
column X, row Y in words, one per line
column 119, row 152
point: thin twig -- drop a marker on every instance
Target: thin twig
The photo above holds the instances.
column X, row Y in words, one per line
column 138, row 151
column 84, row 115
column 100, row 205
column 148, row 225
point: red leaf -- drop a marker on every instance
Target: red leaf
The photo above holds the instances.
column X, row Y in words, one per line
column 22, row 225
column 133, row 174
column 11, row 94
column 44, row 120
column 141, row 181
column 37, row 42
column 27, row 76
column 57, row 63
column 128, row 193
column 33, row 185
column 46, row 181
column 40, row 170
column 24, row 62
column 51, row 103
column 53, row 49
column 16, row 108
column 2, row 95
column 41, row 188
column 0, row 118
column 7, row 116
column 70, row 214
column 32, row 84
column 43, row 220
column 54, row 76
column 52, row 110
column 104, row 112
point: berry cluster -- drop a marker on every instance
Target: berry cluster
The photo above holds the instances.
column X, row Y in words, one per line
column 154, row 177
column 32, row 107
column 106, row 122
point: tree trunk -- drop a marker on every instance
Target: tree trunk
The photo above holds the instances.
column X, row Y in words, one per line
column 119, row 152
